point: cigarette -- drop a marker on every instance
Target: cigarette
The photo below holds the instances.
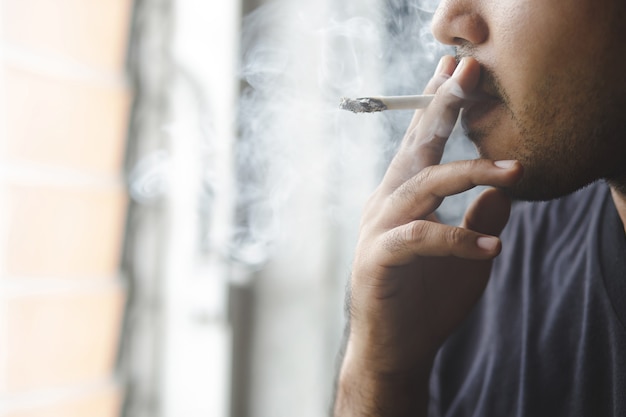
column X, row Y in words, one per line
column 375, row 104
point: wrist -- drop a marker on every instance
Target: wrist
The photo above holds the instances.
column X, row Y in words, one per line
column 365, row 390
column 385, row 358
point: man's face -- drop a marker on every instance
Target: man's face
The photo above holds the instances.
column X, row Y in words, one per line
column 556, row 71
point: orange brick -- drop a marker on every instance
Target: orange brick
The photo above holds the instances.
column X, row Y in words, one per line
column 70, row 231
column 60, row 122
column 61, row 339
column 94, row 32
column 104, row 402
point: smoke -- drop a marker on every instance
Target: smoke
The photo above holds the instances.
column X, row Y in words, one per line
column 148, row 180
column 298, row 59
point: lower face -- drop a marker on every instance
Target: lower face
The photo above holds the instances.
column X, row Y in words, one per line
column 561, row 105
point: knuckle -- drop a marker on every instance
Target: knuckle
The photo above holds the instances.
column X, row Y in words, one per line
column 401, row 195
column 420, row 195
column 426, row 175
column 455, row 236
column 467, row 172
column 403, row 238
column 476, row 171
column 477, row 164
column 433, row 143
column 392, row 242
column 472, row 164
column 467, row 169
column 416, row 232
column 414, row 185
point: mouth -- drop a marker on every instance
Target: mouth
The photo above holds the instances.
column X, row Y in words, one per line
column 478, row 114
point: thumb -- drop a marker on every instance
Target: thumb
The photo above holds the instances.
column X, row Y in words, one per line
column 489, row 213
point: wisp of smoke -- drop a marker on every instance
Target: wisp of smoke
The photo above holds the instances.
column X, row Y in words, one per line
column 298, row 58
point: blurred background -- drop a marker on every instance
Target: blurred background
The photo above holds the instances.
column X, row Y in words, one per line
column 180, row 195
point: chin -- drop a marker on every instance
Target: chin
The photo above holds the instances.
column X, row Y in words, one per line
column 536, row 185
column 538, row 182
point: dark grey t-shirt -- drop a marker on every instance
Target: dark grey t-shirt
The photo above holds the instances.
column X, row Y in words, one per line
column 548, row 337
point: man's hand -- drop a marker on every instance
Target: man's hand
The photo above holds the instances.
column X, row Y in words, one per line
column 415, row 279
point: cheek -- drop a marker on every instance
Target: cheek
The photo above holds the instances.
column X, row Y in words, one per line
column 537, row 40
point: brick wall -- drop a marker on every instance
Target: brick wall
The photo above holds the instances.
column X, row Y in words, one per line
column 64, row 106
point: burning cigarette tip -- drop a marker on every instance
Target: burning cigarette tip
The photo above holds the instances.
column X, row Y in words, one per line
column 362, row 105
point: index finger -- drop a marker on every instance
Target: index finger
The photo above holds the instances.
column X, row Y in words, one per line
column 425, row 140
column 444, row 70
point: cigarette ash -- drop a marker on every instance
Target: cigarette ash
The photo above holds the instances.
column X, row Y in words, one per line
column 362, row 105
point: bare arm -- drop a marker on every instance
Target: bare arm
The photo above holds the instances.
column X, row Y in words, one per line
column 414, row 279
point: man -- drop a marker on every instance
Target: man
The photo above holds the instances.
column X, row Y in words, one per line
column 543, row 92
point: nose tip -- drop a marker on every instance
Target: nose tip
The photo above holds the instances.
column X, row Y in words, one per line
column 456, row 23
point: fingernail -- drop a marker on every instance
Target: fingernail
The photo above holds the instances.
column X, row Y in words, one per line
column 505, row 164
column 487, row 243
